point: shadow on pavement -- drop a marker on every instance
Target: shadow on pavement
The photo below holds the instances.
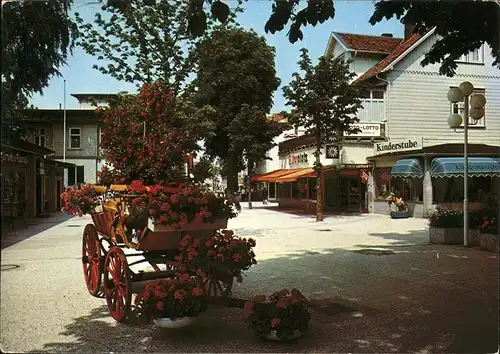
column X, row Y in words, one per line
column 403, row 302
column 35, row 225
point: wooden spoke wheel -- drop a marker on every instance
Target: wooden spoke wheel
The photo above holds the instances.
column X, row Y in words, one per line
column 92, row 259
column 217, row 287
column 117, row 284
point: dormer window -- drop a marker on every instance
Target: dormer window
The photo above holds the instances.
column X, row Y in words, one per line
column 474, row 57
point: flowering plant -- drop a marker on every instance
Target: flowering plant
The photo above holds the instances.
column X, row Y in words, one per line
column 171, row 298
column 446, row 218
column 224, row 256
column 181, row 205
column 80, row 200
column 489, row 226
column 283, row 312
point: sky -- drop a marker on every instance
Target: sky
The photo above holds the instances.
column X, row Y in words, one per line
column 351, row 17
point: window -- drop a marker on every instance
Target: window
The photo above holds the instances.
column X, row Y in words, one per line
column 382, row 178
column 71, row 176
column 373, row 106
column 285, row 191
column 451, row 190
column 476, row 56
column 458, row 108
column 42, row 137
column 312, row 188
column 74, row 138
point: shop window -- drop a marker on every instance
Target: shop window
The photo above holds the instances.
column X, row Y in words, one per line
column 411, row 189
column 311, row 185
column 285, row 190
column 382, row 179
column 296, row 192
column 74, row 138
column 458, row 108
column 451, row 190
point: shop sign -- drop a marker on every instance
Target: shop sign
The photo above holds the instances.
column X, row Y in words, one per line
column 372, row 130
column 397, row 146
column 332, row 151
column 300, row 159
column 15, row 158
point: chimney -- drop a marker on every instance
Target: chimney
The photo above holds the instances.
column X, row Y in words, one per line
column 388, row 35
column 409, row 27
column 60, row 107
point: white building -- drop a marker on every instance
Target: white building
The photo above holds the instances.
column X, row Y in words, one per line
column 404, row 121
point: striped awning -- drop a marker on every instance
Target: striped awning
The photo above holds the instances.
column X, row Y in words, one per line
column 292, row 177
column 454, row 166
column 407, row 168
column 273, row 175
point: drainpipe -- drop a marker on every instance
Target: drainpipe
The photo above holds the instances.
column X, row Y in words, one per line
column 386, row 103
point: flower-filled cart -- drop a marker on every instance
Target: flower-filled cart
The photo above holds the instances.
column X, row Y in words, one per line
column 177, row 227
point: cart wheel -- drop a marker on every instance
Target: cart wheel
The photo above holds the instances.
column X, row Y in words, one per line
column 118, row 285
column 92, row 259
column 216, row 287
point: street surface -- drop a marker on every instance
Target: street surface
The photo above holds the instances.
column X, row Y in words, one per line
column 375, row 285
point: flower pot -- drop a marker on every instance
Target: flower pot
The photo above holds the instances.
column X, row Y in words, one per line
column 273, row 335
column 177, row 323
column 489, row 242
column 447, row 236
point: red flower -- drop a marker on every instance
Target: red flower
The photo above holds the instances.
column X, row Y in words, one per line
column 197, row 291
column 236, row 257
column 184, row 277
column 160, row 306
column 275, row 322
column 248, row 306
column 179, row 295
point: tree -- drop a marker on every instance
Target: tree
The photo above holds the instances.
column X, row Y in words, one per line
column 325, row 105
column 148, row 136
column 142, row 44
column 204, row 169
column 37, row 37
column 283, row 12
column 236, row 79
column 462, row 25
column 244, row 127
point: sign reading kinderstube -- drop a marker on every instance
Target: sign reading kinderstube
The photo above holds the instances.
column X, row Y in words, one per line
column 397, row 146
column 366, row 130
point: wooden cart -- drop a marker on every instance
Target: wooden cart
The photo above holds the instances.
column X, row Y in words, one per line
column 107, row 272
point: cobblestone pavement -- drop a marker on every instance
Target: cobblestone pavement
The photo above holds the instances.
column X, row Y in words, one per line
column 374, row 284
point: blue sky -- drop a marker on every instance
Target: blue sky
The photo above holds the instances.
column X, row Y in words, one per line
column 351, row 17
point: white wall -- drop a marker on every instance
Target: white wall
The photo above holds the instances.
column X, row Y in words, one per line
column 416, row 102
column 90, row 169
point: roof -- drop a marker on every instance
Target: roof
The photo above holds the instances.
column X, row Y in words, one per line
column 367, row 43
column 384, row 63
column 23, row 145
column 85, row 96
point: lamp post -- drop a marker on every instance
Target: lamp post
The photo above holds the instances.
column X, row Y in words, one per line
column 463, row 93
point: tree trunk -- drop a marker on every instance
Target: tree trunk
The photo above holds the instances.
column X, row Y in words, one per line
column 319, row 196
column 249, row 184
column 232, row 176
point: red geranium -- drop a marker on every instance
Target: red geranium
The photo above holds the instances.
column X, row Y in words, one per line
column 80, row 200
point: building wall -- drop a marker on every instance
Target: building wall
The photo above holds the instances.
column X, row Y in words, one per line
column 90, row 169
column 417, row 105
column 89, row 140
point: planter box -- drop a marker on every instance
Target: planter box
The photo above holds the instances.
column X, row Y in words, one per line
column 453, row 236
column 489, row 242
column 195, row 225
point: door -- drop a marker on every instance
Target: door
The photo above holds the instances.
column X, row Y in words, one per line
column 350, row 194
column 38, row 194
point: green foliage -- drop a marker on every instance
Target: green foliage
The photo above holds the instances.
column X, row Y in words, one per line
column 204, row 169
column 462, row 25
column 283, row 12
column 142, row 44
column 235, row 81
column 446, row 218
column 37, row 37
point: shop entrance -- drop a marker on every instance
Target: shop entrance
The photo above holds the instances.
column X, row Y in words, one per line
column 350, row 194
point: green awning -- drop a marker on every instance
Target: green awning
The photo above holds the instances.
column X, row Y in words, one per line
column 407, row 168
column 454, row 166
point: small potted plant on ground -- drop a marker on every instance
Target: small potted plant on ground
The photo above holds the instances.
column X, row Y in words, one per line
column 281, row 316
column 489, row 234
column 173, row 302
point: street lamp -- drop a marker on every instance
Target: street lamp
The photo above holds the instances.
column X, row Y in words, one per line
column 463, row 93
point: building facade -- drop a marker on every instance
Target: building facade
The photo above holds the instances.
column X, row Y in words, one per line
column 405, row 145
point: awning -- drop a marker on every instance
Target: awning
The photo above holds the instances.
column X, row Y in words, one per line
column 454, row 166
column 292, row 177
column 273, row 175
column 407, row 168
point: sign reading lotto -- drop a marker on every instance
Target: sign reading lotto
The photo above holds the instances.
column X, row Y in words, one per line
column 367, row 130
column 397, row 146
column 300, row 159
